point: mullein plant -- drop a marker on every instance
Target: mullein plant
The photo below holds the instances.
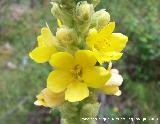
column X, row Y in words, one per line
column 83, row 43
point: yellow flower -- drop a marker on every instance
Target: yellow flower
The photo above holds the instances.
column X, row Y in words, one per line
column 46, row 46
column 106, row 45
column 49, row 99
column 74, row 74
column 112, row 85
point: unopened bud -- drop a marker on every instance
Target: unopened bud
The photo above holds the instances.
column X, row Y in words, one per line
column 84, row 11
column 55, row 10
column 100, row 19
column 66, row 35
column 61, row 13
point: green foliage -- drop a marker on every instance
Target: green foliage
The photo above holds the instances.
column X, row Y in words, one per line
column 19, row 86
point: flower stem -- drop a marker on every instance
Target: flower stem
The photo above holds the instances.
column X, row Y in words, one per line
column 80, row 112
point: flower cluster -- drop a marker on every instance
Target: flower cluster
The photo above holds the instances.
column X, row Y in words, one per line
column 83, row 42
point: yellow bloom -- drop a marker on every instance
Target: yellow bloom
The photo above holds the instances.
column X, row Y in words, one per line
column 106, row 45
column 74, row 74
column 46, row 46
column 112, row 85
column 49, row 99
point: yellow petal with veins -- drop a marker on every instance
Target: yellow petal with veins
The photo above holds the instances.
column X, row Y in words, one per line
column 106, row 31
column 76, row 91
column 62, row 60
column 95, row 77
column 46, row 37
column 117, row 42
column 91, row 38
column 110, row 90
column 85, row 58
column 58, row 80
column 48, row 98
column 42, row 54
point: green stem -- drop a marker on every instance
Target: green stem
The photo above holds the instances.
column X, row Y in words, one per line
column 72, row 113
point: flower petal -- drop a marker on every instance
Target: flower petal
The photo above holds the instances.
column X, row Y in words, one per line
column 107, row 56
column 110, row 90
column 94, row 37
column 46, row 37
column 59, row 23
column 116, row 79
column 41, row 43
column 85, row 58
column 91, row 38
column 62, row 60
column 95, row 77
column 76, row 91
column 49, row 99
column 42, row 54
column 106, row 31
column 58, row 80
column 117, row 42
column 53, row 99
column 40, row 100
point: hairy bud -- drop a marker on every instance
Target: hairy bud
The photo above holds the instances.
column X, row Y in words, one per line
column 100, row 19
column 84, row 11
column 56, row 11
column 66, row 35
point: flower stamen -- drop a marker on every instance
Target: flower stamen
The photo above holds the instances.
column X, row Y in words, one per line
column 77, row 72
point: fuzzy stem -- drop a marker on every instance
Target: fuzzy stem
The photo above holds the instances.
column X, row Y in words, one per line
column 74, row 113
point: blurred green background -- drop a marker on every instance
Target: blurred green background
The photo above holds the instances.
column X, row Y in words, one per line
column 21, row 79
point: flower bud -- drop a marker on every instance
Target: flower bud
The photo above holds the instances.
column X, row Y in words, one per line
column 55, row 10
column 84, row 11
column 66, row 35
column 62, row 14
column 100, row 19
